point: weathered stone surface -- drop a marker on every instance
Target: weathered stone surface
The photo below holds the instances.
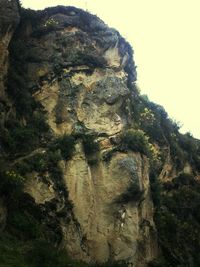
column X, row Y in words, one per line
column 109, row 229
column 78, row 71
column 40, row 191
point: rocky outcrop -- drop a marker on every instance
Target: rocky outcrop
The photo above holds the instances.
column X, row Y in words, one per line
column 81, row 73
column 70, row 68
column 110, row 226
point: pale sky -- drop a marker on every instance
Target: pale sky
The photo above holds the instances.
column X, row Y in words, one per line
column 165, row 35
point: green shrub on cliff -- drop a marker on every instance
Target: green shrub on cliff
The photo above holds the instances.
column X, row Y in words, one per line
column 39, row 253
column 132, row 194
column 66, row 145
column 20, row 139
column 178, row 221
column 90, row 145
column 137, row 141
column 11, row 183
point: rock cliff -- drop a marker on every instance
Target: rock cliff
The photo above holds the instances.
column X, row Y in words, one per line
column 78, row 70
column 78, row 141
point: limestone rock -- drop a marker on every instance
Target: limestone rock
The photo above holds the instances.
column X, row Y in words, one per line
column 109, row 229
column 79, row 73
column 40, row 191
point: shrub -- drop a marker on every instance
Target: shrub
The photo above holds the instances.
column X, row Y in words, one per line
column 52, row 160
column 133, row 193
column 38, row 162
column 90, row 145
column 66, row 145
column 38, row 122
column 183, row 179
column 11, row 251
column 155, row 190
column 93, row 161
column 24, row 139
column 51, row 23
column 19, row 49
column 17, row 88
column 11, row 183
column 178, row 221
column 25, row 226
column 44, row 254
column 191, row 148
column 44, row 28
column 17, row 138
column 158, row 263
column 137, row 141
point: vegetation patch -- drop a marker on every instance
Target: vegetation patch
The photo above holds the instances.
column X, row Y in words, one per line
column 178, row 222
column 90, row 144
column 39, row 253
column 108, row 154
column 17, row 138
column 66, row 145
column 137, row 141
column 132, row 194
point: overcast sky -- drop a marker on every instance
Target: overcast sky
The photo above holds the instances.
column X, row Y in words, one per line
column 165, row 36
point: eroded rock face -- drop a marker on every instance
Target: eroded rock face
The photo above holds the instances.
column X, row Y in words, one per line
column 110, row 226
column 80, row 72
